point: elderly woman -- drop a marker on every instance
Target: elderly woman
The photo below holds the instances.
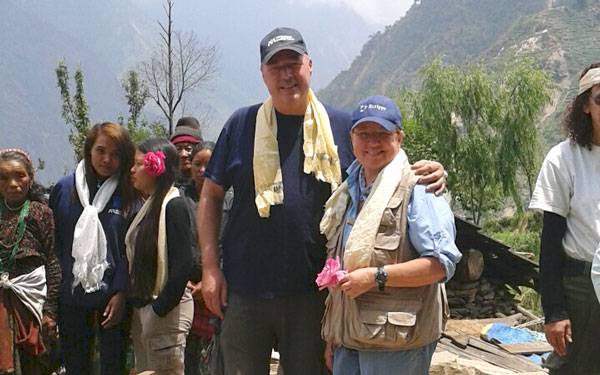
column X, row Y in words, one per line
column 568, row 193
column 397, row 247
column 29, row 271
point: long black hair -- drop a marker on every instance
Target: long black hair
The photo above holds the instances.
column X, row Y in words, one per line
column 144, row 267
column 576, row 122
column 36, row 191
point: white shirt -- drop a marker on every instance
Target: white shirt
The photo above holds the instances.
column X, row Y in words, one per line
column 569, row 185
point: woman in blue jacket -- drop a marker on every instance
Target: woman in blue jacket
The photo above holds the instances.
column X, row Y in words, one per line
column 90, row 211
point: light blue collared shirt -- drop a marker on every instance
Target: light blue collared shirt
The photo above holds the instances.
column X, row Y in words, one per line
column 431, row 228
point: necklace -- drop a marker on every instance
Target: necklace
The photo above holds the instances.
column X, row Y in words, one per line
column 13, row 208
column 18, row 237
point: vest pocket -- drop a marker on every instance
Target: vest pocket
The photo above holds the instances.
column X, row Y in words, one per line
column 388, row 328
column 389, row 242
column 386, row 249
column 373, row 323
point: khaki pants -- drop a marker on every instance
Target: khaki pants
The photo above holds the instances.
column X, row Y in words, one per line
column 159, row 343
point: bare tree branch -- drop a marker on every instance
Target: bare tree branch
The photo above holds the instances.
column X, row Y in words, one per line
column 179, row 66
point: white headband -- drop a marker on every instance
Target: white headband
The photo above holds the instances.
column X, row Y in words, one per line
column 591, row 78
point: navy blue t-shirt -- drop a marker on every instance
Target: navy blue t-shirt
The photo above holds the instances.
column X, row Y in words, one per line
column 282, row 254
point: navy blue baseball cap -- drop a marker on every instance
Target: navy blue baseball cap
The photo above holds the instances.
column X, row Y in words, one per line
column 280, row 39
column 378, row 109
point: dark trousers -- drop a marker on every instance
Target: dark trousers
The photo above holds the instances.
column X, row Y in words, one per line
column 253, row 327
column 78, row 327
column 584, row 312
column 197, row 355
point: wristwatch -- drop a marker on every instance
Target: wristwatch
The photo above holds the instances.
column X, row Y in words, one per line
column 381, row 278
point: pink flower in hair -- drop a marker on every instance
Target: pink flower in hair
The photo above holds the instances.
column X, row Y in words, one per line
column 154, row 163
column 331, row 275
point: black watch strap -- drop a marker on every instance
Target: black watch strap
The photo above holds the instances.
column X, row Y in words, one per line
column 381, row 278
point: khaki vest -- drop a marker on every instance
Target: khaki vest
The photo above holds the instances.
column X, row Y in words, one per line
column 397, row 318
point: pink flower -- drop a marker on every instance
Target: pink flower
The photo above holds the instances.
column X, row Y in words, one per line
column 331, row 275
column 154, row 163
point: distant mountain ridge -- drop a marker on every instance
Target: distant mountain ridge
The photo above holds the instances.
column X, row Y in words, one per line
column 563, row 36
column 35, row 36
column 456, row 30
column 106, row 38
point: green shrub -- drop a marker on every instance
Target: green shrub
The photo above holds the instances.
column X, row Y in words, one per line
column 520, row 241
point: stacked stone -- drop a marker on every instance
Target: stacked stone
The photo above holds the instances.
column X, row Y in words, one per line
column 479, row 299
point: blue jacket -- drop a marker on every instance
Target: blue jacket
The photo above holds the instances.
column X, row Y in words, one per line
column 67, row 209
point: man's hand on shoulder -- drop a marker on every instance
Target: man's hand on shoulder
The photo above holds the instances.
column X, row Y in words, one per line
column 432, row 174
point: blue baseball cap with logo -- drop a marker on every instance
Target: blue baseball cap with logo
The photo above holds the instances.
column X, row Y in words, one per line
column 380, row 110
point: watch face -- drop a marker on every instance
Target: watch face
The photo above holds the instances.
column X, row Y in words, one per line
column 381, row 277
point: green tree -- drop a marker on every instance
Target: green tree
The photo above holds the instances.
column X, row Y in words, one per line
column 458, row 107
column 524, row 91
column 482, row 128
column 137, row 95
column 417, row 139
column 74, row 109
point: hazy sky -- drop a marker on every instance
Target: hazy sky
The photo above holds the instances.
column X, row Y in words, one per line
column 379, row 12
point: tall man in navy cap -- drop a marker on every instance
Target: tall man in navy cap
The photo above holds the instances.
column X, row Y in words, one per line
column 283, row 158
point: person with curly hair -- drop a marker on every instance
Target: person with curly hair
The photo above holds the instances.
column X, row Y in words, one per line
column 29, row 270
column 568, row 193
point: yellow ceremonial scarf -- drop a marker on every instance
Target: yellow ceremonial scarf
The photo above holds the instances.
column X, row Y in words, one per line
column 320, row 153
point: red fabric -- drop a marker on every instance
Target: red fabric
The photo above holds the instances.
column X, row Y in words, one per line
column 25, row 328
column 6, row 338
column 201, row 324
column 185, row 138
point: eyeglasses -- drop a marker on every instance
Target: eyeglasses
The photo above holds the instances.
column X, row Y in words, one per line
column 372, row 136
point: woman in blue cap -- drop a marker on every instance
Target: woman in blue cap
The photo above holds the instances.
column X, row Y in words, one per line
column 386, row 308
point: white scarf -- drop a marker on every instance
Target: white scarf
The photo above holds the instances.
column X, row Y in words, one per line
column 359, row 246
column 131, row 236
column 30, row 288
column 89, row 239
column 589, row 80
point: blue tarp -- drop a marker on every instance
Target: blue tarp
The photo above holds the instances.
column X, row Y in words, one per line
column 504, row 334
